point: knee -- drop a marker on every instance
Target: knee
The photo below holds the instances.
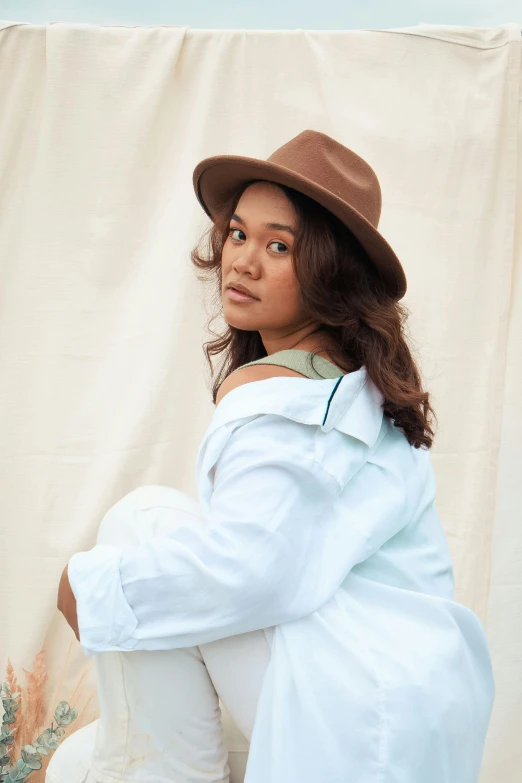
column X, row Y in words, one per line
column 118, row 521
column 147, row 511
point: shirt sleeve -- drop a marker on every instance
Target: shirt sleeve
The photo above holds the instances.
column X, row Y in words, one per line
column 259, row 561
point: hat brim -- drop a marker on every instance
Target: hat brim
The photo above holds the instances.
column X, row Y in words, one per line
column 216, row 178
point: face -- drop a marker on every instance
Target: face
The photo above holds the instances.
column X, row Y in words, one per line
column 260, row 257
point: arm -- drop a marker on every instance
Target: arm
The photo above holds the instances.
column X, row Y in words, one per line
column 259, row 561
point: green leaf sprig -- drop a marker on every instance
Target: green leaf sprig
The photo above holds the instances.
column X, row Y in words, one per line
column 30, row 755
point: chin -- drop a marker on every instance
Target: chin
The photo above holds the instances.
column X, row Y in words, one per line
column 237, row 320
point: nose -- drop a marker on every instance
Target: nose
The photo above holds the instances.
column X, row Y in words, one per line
column 245, row 260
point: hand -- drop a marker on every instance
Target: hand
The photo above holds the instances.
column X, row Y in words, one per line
column 67, row 602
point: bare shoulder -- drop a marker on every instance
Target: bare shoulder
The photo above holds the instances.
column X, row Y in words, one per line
column 258, row 372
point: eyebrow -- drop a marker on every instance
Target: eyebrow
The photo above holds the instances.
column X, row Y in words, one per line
column 276, row 226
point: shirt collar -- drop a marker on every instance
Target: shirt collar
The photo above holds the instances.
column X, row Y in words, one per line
column 351, row 403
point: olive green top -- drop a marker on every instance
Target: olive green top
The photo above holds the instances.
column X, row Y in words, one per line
column 301, row 361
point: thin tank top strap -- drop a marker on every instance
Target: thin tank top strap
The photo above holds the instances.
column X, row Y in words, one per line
column 301, row 361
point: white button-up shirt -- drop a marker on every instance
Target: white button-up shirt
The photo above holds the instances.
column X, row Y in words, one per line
column 320, row 521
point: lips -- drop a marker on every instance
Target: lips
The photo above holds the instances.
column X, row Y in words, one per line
column 239, row 296
column 243, row 291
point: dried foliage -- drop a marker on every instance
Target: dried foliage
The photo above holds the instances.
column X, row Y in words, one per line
column 29, row 733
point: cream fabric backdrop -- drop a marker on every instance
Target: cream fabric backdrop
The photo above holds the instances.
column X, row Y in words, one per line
column 103, row 381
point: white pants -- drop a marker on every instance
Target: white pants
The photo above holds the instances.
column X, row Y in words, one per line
column 160, row 710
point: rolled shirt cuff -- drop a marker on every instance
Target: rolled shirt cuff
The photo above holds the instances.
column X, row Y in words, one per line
column 106, row 622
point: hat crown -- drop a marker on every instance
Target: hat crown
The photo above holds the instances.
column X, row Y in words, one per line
column 334, row 167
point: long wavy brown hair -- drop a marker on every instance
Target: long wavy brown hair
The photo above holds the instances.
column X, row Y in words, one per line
column 339, row 288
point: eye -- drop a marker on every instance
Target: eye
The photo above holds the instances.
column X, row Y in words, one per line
column 235, row 229
column 279, row 243
column 276, row 242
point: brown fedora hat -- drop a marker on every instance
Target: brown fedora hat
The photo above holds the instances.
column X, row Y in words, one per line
column 323, row 169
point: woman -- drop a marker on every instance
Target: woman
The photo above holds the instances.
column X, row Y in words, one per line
column 310, row 587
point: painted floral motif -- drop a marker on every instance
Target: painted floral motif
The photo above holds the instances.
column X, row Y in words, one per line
column 30, row 755
column 30, row 731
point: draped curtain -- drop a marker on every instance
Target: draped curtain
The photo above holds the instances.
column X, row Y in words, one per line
column 104, row 385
